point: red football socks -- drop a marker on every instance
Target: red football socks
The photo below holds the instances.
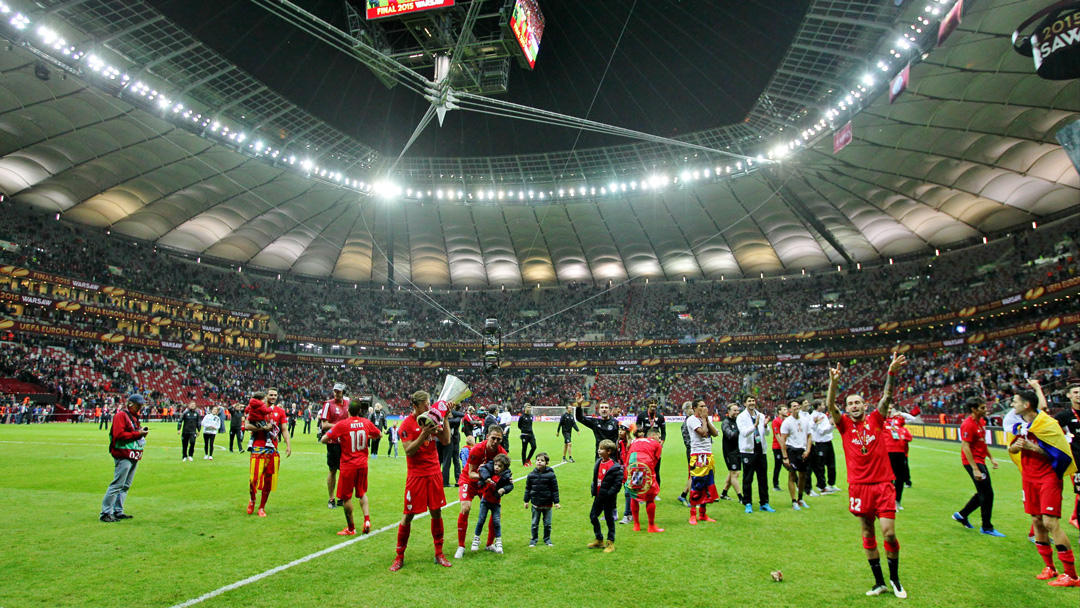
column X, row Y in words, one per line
column 1046, row 553
column 650, row 510
column 402, row 538
column 437, row 534
column 1067, row 563
column 462, row 528
column 635, row 510
column 251, row 491
column 262, row 500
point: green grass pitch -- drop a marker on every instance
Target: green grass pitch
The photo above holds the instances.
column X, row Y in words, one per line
column 191, row 536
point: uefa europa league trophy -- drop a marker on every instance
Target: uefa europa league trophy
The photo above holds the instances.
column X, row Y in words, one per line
column 453, row 391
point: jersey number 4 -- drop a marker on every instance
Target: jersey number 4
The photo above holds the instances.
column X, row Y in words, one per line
column 359, row 440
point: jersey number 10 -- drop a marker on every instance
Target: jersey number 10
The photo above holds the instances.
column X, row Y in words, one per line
column 359, row 440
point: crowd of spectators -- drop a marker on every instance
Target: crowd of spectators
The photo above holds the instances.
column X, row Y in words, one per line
column 821, row 299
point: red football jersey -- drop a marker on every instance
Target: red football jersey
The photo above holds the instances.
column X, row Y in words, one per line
column 648, row 451
column 894, row 436
column 605, row 466
column 353, row 434
column 478, row 456
column 425, row 461
column 262, row 439
column 865, row 451
column 333, row 412
column 776, row 432
column 974, row 432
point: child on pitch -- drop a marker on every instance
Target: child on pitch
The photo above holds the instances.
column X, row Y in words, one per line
column 258, row 412
column 607, row 481
column 463, row 455
column 641, row 459
column 496, row 481
column 542, row 491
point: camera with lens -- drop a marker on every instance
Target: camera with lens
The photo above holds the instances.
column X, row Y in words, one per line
column 492, row 339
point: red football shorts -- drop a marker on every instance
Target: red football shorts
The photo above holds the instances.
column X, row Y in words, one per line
column 1042, row 497
column 872, row 499
column 350, row 482
column 424, row 493
column 468, row 491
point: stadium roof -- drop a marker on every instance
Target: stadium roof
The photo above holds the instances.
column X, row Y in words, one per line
column 967, row 151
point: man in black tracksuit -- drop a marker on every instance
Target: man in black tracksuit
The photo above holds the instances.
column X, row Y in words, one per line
column 236, row 427
column 604, row 427
column 566, row 425
column 378, row 418
column 528, row 440
column 188, row 428
column 450, row 452
column 650, row 419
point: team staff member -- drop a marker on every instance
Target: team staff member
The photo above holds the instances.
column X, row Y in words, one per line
column 378, row 418
column 604, row 427
column 973, row 455
column 333, row 411
column 753, row 428
column 450, row 452
column 236, row 427
column 651, row 419
column 126, row 441
column 730, row 430
column 1070, row 423
column 188, row 429
column 778, row 456
column 795, row 447
column 265, row 461
column 528, row 440
column 822, row 458
column 423, row 487
column 567, row 424
column 870, row 489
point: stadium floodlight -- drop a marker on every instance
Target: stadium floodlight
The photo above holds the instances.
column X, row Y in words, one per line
column 868, row 80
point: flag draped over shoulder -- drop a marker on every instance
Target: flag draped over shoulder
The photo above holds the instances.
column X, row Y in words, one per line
column 1047, row 433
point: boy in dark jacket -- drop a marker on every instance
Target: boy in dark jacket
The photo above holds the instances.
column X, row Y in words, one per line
column 496, row 480
column 542, row 491
column 607, row 481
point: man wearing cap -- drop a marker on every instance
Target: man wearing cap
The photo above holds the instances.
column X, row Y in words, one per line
column 332, row 412
column 127, row 439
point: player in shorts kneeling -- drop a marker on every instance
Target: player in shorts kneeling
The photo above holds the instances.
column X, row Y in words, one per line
column 870, row 490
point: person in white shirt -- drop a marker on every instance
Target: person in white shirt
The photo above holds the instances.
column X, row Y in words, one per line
column 822, row 457
column 795, row 447
column 211, row 424
column 505, row 418
column 753, row 428
column 702, row 466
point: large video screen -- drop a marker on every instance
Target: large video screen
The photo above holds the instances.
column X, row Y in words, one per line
column 527, row 24
column 377, row 9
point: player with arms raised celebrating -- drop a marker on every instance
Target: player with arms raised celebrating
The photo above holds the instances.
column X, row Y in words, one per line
column 870, row 475
column 423, row 482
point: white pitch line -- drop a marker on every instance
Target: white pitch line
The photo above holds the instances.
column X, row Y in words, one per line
column 296, row 562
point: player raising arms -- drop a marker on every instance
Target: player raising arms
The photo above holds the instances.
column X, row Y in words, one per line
column 423, row 482
column 870, row 489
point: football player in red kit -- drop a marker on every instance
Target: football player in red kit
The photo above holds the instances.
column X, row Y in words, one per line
column 353, row 435
column 469, row 483
column 870, row 488
column 423, row 482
